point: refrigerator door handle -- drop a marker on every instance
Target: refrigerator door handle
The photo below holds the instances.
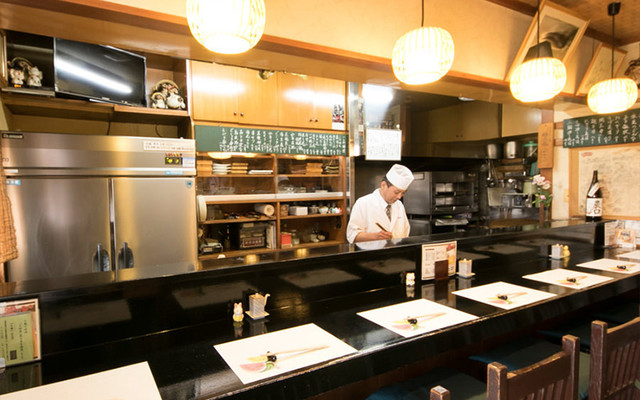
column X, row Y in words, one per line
column 101, row 261
column 125, row 257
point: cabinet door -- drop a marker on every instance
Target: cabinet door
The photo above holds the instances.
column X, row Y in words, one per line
column 329, row 101
column 520, row 120
column 480, row 121
column 215, row 92
column 444, row 124
column 257, row 102
column 296, row 105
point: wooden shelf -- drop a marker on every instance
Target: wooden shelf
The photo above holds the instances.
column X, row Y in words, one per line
column 236, row 253
column 44, row 106
column 310, row 175
column 311, row 216
column 207, row 175
column 237, row 220
column 311, row 244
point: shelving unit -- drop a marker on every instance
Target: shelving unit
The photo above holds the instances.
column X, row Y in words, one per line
column 38, row 108
column 281, row 189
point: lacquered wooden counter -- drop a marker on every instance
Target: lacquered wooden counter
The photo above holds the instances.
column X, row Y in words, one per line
column 174, row 322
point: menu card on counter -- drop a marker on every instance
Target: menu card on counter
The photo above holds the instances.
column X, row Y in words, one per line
column 19, row 331
column 132, row 382
column 438, row 257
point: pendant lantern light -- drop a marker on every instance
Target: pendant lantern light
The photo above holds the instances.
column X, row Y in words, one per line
column 541, row 76
column 615, row 94
column 226, row 26
column 422, row 55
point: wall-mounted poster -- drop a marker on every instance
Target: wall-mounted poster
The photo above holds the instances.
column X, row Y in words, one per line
column 559, row 26
column 600, row 67
column 383, row 144
column 19, row 331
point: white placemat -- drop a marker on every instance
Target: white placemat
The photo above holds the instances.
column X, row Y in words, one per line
column 568, row 278
column 504, row 295
column 634, row 255
column 132, row 382
column 607, row 264
column 416, row 317
column 292, row 348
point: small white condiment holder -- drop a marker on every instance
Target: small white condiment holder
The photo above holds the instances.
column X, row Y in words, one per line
column 465, row 268
column 556, row 251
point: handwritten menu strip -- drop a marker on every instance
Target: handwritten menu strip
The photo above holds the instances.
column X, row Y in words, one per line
column 250, row 140
column 600, row 130
column 545, row 145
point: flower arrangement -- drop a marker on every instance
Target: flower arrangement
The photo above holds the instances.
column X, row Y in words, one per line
column 543, row 195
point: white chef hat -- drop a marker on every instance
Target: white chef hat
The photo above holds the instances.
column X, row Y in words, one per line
column 400, row 176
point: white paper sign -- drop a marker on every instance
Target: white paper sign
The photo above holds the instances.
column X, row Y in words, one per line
column 416, row 317
column 634, row 255
column 568, row 278
column 504, row 295
column 383, row 144
column 265, row 356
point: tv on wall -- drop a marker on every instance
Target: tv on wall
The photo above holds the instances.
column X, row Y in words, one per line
column 100, row 73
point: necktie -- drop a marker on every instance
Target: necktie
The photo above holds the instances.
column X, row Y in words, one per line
column 388, row 211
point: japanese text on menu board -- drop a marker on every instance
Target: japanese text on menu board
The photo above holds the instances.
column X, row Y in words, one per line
column 248, row 140
column 600, row 130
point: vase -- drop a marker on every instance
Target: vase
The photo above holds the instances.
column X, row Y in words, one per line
column 545, row 214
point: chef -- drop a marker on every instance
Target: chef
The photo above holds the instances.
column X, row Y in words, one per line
column 379, row 215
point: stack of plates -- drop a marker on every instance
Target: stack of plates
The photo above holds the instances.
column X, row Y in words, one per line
column 221, row 168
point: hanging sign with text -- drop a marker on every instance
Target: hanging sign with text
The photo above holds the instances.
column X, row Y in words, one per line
column 255, row 140
column 601, row 130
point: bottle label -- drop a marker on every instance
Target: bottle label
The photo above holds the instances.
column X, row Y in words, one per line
column 593, row 189
column 594, row 207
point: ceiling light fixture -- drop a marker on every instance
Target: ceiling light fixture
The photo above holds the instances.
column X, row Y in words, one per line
column 615, row 94
column 541, row 76
column 226, row 26
column 422, row 55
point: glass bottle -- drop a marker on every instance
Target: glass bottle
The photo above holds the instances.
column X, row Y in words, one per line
column 594, row 200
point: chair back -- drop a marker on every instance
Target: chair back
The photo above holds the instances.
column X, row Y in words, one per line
column 615, row 361
column 554, row 378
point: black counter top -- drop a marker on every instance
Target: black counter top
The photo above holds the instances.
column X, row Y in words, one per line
column 174, row 322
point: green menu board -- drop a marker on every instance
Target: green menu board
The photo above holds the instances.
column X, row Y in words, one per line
column 250, row 140
column 600, row 130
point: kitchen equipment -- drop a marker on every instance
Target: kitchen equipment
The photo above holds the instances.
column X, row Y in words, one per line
column 491, row 174
column 86, row 203
column 530, row 149
column 512, row 149
column 494, row 151
column 441, row 192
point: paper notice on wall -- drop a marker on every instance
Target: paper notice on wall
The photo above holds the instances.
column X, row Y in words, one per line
column 383, row 144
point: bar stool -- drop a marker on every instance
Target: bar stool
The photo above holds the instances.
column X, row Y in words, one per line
column 615, row 361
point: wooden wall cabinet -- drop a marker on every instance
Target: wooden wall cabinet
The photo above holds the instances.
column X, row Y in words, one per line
column 310, row 102
column 519, row 120
column 282, row 181
column 232, row 94
column 463, row 122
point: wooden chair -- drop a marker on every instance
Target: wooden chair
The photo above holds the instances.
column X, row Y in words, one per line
column 615, row 361
column 554, row 378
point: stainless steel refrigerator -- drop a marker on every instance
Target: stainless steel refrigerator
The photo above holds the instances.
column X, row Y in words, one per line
column 86, row 203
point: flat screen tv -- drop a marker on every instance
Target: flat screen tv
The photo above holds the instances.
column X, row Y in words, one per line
column 100, row 73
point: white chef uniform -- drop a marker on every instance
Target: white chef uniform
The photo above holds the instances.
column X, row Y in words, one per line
column 370, row 209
